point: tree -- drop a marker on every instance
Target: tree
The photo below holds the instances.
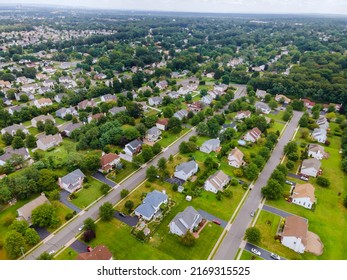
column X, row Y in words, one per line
column 187, row 147
column 129, row 205
column 147, row 153
column 30, row 141
column 345, row 201
column 40, row 126
column 273, row 104
column 124, row 193
column 89, row 224
column 291, row 147
column 162, row 164
column 252, row 171
column 104, row 188
column 50, row 128
column 290, row 164
column 273, row 190
column 106, row 211
column 253, row 235
column 17, row 142
column 14, row 244
column 31, row 236
column 323, row 182
column 151, row 173
column 19, row 226
column 45, row 215
column 45, row 256
column 47, row 180
column 174, row 125
column 188, row 239
column 156, row 148
column 88, row 235
column 7, row 138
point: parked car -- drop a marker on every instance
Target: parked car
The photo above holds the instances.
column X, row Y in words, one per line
column 304, row 178
column 289, row 182
column 122, row 214
column 217, row 222
column 275, row 256
column 51, row 252
column 81, row 227
column 252, row 214
column 255, row 251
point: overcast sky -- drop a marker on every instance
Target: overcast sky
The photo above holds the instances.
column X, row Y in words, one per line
column 224, row 6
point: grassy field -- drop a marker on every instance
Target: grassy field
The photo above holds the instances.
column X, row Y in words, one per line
column 59, row 121
column 276, row 127
column 277, row 116
column 123, row 173
column 167, row 137
column 89, row 195
column 62, row 210
column 67, row 254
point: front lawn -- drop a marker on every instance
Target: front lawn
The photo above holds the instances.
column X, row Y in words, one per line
column 168, row 138
column 247, row 256
column 276, row 127
column 86, row 196
column 119, row 175
column 67, row 254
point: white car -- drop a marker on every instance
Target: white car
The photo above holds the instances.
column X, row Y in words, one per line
column 51, row 252
column 304, row 178
column 81, row 227
column 275, row 256
column 255, row 251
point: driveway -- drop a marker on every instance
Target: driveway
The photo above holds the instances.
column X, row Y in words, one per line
column 175, row 180
column 210, row 217
column 42, row 232
column 129, row 220
column 101, row 177
column 79, row 246
column 64, row 199
column 126, row 157
column 277, row 211
column 266, row 255
column 294, row 175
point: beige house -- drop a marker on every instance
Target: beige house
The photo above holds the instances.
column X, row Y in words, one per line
column 48, row 141
column 235, row 158
column 303, row 195
column 217, row 182
column 24, row 213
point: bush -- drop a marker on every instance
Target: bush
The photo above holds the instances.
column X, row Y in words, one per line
column 188, row 239
column 88, row 235
column 68, row 216
column 175, row 187
column 86, row 186
column 253, row 235
column 290, row 164
column 124, row 193
column 345, row 201
column 323, row 182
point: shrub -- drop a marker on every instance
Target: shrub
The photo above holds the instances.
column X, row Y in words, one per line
column 345, row 201
column 290, row 165
column 124, row 193
column 188, row 239
column 323, row 182
column 175, row 187
column 68, row 216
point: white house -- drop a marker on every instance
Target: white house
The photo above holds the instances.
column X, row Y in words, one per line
column 323, row 123
column 303, row 195
column 261, row 93
column 42, row 118
column 211, row 145
column 242, row 115
column 133, row 147
column 316, row 151
column 216, row 182
column 153, row 134
column 155, row 101
column 185, row 170
column 184, row 221
column 48, row 141
column 181, row 114
column 310, row 167
column 262, row 107
column 42, row 102
column 252, row 135
column 162, row 124
column 151, row 205
column 294, row 234
column 13, row 129
column 235, row 158
column 320, row 135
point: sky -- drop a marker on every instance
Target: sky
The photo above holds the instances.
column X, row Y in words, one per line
column 215, row 6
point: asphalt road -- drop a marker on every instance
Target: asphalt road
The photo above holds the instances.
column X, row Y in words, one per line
column 266, row 255
column 231, row 243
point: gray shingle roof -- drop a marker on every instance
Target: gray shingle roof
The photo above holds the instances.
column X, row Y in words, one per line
column 133, row 145
column 152, row 201
column 186, row 219
column 186, row 167
column 72, row 178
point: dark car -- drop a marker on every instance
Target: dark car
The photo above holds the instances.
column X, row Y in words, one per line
column 122, row 214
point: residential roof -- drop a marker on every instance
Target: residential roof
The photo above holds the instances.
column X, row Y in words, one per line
column 311, row 163
column 185, row 220
column 304, row 190
column 108, row 158
column 212, row 143
column 70, row 127
column 9, row 152
column 262, row 105
column 26, row 210
column 47, row 139
column 296, row 226
column 44, row 118
column 43, row 101
column 151, row 203
column 14, row 127
column 153, row 131
column 100, row 252
column 72, row 177
column 186, row 167
column 116, row 110
column 163, row 121
column 132, row 146
column 218, row 179
column 237, row 154
column 316, row 148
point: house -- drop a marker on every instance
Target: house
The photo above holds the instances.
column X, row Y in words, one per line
column 225, row 126
column 24, row 213
column 162, row 124
column 95, row 117
column 282, row 98
column 195, row 106
column 100, row 76
column 108, row 98
column 30, row 88
column 59, row 97
column 211, row 145
column 242, row 115
column 48, row 141
column 116, row 110
column 295, row 233
column 261, row 93
column 14, row 109
column 4, row 84
column 108, row 161
column 252, row 135
column 42, row 102
column 308, row 103
column 162, row 85
column 310, row 167
column 100, row 252
column 153, row 134
column 207, row 99
column 303, row 195
column 155, row 101
column 151, row 205
column 145, row 88
column 217, row 182
column 18, row 95
column 316, row 151
column 173, row 94
column 13, row 129
column 48, row 83
column 86, row 103
column 262, row 107
column 43, row 119
column 68, row 128
column 235, row 158
column 62, row 112
column 10, row 152
column 320, row 135
column 181, row 114
column 72, row 181
column 323, row 123
column 43, row 90
column 185, row 170
column 184, row 221
column 133, row 148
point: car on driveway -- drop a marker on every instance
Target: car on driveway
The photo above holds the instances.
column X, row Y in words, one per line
column 304, row 178
column 275, row 256
column 289, row 182
column 255, row 252
column 122, row 214
column 217, row 222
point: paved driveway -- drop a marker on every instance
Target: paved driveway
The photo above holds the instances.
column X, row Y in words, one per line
column 175, row 180
column 101, row 177
column 266, row 255
column 79, row 246
column 129, row 220
column 42, row 232
column 210, row 217
column 294, row 175
column 277, row 211
column 64, row 199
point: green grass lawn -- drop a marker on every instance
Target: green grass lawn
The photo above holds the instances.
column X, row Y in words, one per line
column 247, row 256
column 27, row 123
column 123, row 173
column 62, row 210
column 67, row 254
column 276, row 116
column 33, row 130
column 167, row 137
column 151, row 112
column 87, row 196
column 276, row 127
column 59, row 121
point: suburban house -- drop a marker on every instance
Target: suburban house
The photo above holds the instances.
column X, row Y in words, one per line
column 217, row 182
column 18, row 95
column 173, row 94
column 261, row 93
column 235, row 158
column 9, row 152
column 151, row 205
column 72, row 181
column 323, row 123
column 14, row 109
column 211, row 145
column 116, row 110
column 184, row 221
column 48, row 83
column 155, row 101
column 296, row 236
column 145, row 88
column 43, row 119
column 86, row 103
column 24, row 213
column 207, row 99
column 108, row 98
column 185, row 170
column 316, row 151
column 262, row 107
column 95, row 117
column 108, row 161
column 310, row 167
column 282, row 98
column 42, row 102
column 62, row 112
column 133, row 148
column 181, row 114
column 162, row 124
column 48, row 141
column 13, row 129
column 303, row 195
column 100, row 252
column 225, row 126
column 320, row 135
column 162, row 85
column 59, row 97
column 153, row 134
column 252, row 135
column 67, row 129
column 100, row 76
column 242, row 115
column 308, row 103
column 195, row 106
